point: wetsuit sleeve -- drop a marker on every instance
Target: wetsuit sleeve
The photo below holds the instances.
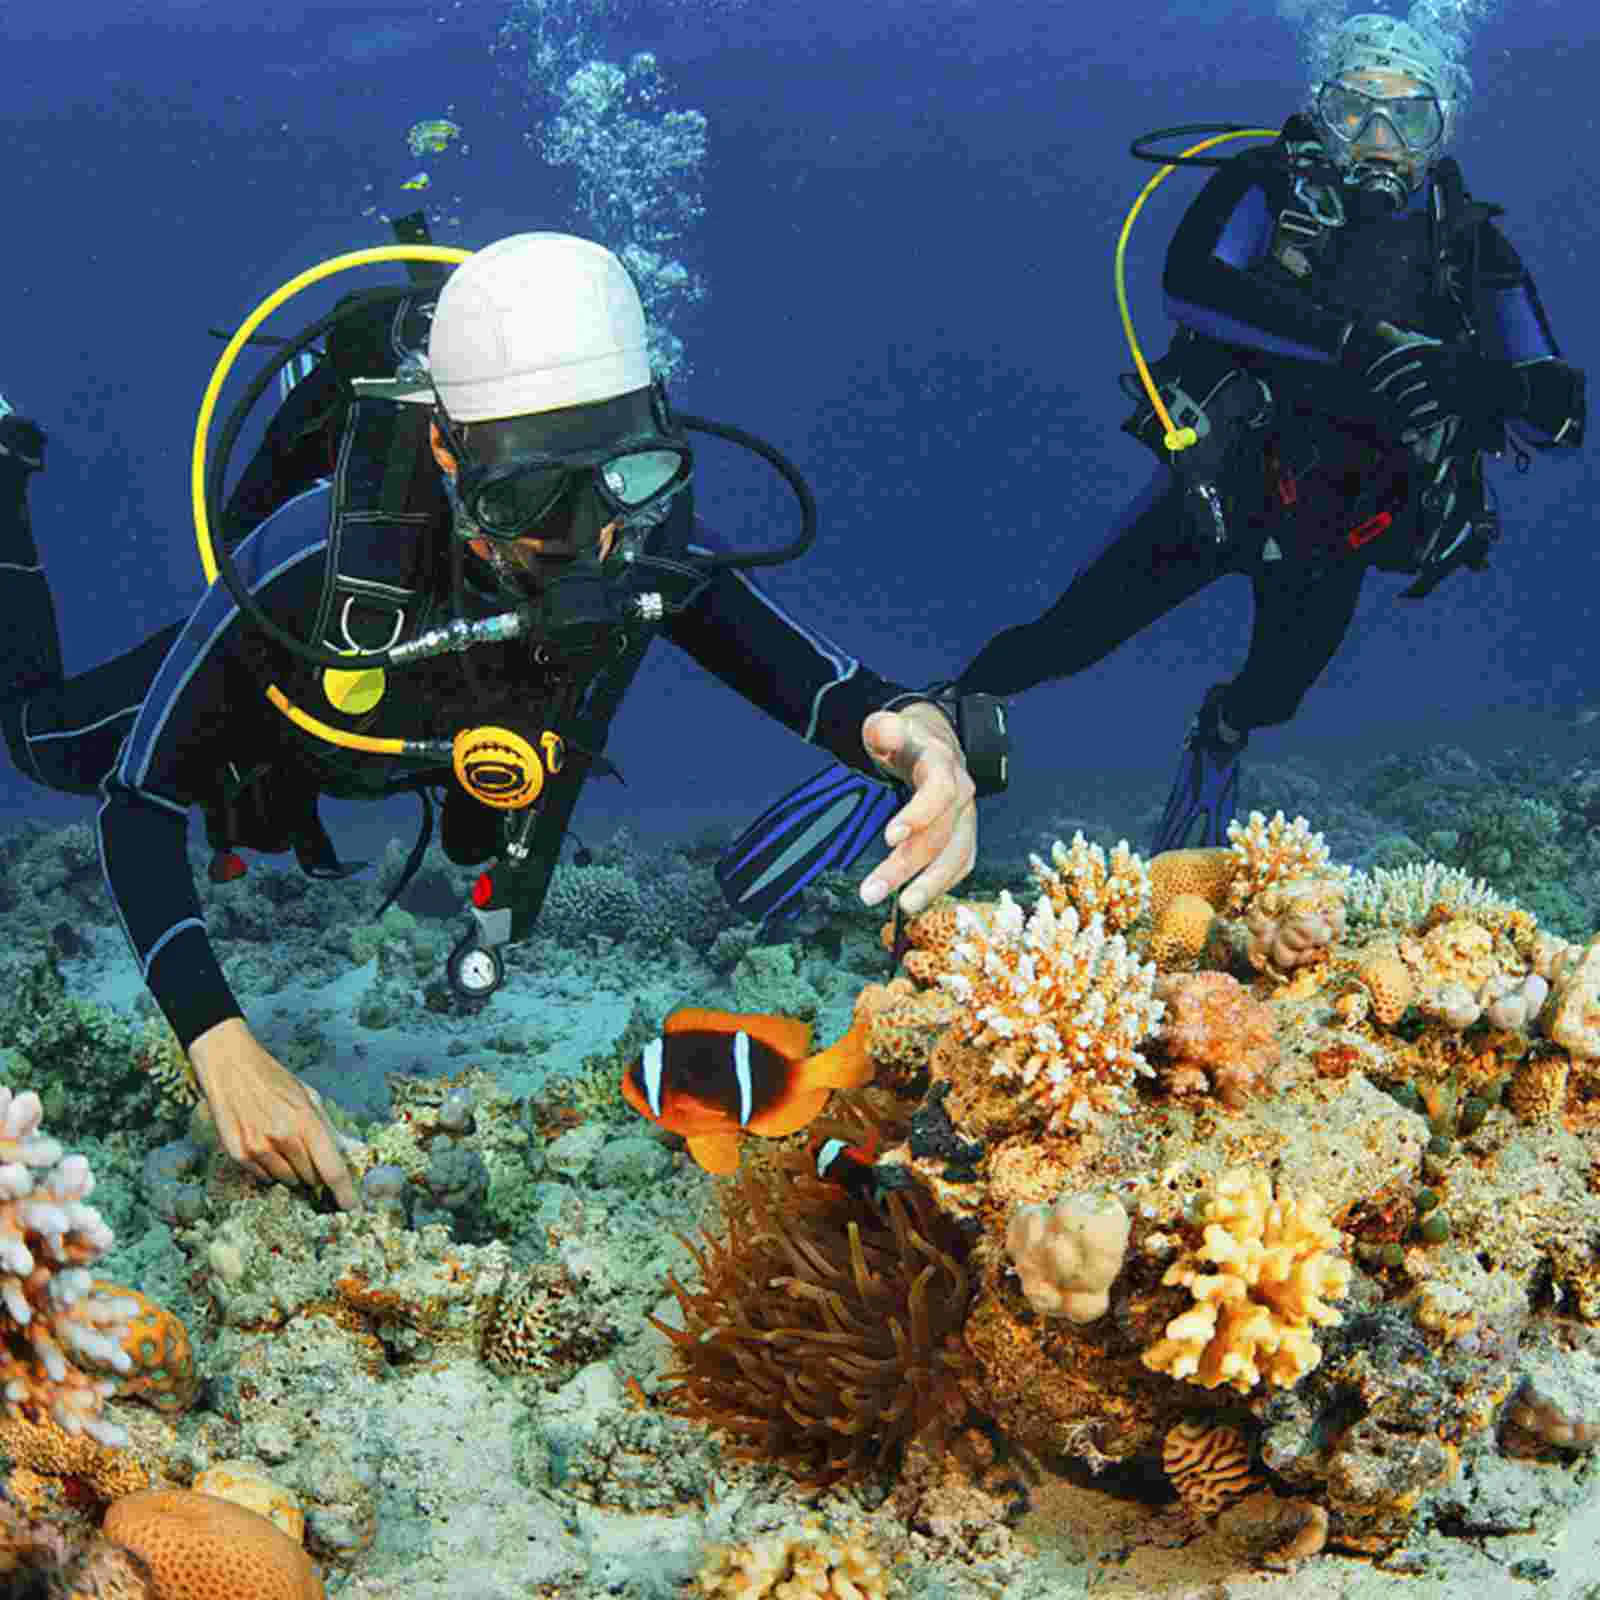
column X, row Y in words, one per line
column 740, row 634
column 188, row 729
column 1210, row 288
column 1556, row 412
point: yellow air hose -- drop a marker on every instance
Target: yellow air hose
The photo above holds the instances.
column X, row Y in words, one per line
column 1176, row 438
column 446, row 254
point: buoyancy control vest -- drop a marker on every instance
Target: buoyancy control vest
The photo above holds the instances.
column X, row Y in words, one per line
column 385, row 581
column 1295, row 479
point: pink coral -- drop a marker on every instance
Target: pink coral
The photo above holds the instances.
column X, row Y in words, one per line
column 1215, row 1034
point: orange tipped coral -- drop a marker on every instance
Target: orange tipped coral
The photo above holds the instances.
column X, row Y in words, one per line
column 1078, row 875
column 1058, row 1007
column 201, row 1548
column 1267, row 853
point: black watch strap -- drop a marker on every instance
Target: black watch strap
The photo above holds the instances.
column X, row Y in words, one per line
column 981, row 729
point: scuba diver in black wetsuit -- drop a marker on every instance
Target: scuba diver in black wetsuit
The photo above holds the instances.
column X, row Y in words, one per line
column 447, row 569
column 1357, row 333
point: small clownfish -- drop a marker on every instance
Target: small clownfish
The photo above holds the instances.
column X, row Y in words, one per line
column 851, row 1166
column 714, row 1075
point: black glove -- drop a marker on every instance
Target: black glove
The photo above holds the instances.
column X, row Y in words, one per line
column 1418, row 382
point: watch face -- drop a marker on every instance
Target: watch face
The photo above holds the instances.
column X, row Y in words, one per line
column 477, row 972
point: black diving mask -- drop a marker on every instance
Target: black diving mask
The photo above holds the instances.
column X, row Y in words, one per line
column 511, row 482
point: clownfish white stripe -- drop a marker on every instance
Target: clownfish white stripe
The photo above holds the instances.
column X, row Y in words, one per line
column 741, row 1074
column 651, row 1065
column 830, row 1152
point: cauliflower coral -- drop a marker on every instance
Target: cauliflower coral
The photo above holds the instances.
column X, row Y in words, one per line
column 1068, row 1255
column 1262, row 1280
column 1059, row 1004
column 1216, row 1036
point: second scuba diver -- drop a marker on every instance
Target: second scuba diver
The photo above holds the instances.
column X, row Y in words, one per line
column 550, row 536
column 1361, row 334
column 1354, row 335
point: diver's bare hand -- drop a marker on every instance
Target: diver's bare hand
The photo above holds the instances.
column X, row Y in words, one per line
column 934, row 836
column 269, row 1122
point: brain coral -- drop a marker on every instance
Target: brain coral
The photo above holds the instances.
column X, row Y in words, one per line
column 201, row 1548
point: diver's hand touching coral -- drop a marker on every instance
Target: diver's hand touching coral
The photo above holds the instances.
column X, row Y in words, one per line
column 269, row 1122
column 934, row 836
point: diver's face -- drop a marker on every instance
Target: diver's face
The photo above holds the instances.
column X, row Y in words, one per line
column 1379, row 145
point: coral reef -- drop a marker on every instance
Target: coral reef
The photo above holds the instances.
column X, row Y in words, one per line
column 1224, row 1176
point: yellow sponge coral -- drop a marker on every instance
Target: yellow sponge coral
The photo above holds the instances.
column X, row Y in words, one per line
column 798, row 1564
column 1261, row 1279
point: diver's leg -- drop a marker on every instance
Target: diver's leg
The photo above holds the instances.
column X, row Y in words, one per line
column 63, row 733
column 1301, row 618
column 1148, row 563
column 30, row 646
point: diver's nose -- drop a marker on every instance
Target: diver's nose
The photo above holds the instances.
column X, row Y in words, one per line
column 1383, row 137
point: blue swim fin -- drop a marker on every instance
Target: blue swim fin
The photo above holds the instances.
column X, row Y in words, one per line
column 1206, row 789
column 825, row 825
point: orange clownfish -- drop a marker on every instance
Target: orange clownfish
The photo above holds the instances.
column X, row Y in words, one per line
column 715, row 1075
column 850, row 1165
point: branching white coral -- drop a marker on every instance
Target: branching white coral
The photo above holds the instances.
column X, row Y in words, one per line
column 1060, row 1004
column 1402, row 897
column 1078, row 875
column 1275, row 852
column 50, row 1310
